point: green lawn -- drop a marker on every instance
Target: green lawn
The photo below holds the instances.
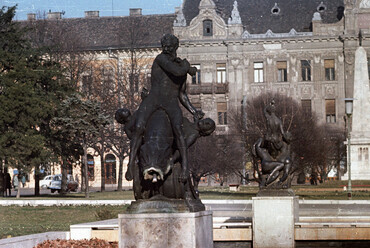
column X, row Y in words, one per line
column 17, row 221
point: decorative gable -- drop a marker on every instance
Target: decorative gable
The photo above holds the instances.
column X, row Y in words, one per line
column 206, row 25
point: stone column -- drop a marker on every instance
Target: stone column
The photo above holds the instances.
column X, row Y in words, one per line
column 273, row 221
column 360, row 134
column 160, row 230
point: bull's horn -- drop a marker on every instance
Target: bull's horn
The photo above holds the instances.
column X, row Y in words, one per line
column 154, row 178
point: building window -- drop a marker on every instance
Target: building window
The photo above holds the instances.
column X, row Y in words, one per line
column 207, row 28
column 86, row 84
column 368, row 66
column 221, row 73
column 134, row 82
column 258, row 72
column 329, row 69
column 282, row 71
column 196, row 78
column 222, row 113
column 110, row 169
column 108, row 86
column 322, row 7
column 275, row 10
column 91, row 167
column 330, row 111
column 108, row 71
column 366, row 153
column 306, row 70
column 306, row 106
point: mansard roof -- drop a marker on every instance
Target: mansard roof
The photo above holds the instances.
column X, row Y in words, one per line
column 97, row 33
column 257, row 16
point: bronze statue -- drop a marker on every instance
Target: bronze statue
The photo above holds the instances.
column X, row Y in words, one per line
column 168, row 86
column 160, row 136
column 273, row 152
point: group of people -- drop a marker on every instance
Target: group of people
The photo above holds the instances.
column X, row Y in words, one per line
column 7, row 182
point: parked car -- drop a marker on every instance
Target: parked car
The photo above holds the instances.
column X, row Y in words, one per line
column 56, row 183
column 45, row 183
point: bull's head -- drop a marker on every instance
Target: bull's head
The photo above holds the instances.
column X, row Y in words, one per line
column 154, row 161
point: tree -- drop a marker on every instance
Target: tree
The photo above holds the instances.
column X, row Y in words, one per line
column 310, row 140
column 203, row 158
column 28, row 97
column 79, row 122
column 132, row 77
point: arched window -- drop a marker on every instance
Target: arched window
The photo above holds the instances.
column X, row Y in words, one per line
column 91, row 167
column 207, row 28
column 110, row 169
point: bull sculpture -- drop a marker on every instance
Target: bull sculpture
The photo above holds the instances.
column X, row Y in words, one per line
column 160, row 136
column 157, row 172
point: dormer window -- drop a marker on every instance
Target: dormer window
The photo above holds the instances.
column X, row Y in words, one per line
column 322, row 7
column 207, row 28
column 275, row 10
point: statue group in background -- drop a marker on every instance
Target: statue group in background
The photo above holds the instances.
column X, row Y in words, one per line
column 273, row 152
column 160, row 135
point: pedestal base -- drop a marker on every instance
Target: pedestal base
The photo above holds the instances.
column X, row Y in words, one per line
column 161, row 204
column 160, row 230
column 273, row 221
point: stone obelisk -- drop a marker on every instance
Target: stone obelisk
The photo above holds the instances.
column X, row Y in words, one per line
column 360, row 134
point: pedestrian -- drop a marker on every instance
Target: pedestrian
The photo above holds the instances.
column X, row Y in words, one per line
column 15, row 182
column 23, row 181
column 2, row 183
column 8, row 183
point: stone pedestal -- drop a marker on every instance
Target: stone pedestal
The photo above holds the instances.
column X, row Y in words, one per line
column 273, row 221
column 161, row 230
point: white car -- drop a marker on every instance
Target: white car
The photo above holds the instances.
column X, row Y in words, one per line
column 45, row 183
column 56, row 184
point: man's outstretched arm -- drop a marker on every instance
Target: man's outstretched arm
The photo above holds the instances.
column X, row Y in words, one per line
column 184, row 99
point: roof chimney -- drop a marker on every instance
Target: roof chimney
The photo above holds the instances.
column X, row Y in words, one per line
column 135, row 12
column 54, row 15
column 31, row 16
column 90, row 14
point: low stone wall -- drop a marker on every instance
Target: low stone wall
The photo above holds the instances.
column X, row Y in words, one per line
column 32, row 240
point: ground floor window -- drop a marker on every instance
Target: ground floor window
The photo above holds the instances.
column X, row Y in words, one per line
column 110, row 169
column 91, row 167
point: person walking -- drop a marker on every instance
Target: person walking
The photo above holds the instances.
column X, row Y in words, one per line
column 8, row 183
column 23, row 181
column 2, row 182
column 15, row 182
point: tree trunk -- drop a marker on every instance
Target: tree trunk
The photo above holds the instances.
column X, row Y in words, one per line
column 86, row 171
column 102, row 186
column 19, row 191
column 83, row 185
column 120, row 173
column 64, row 177
column 37, row 181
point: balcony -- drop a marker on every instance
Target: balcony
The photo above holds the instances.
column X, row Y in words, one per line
column 208, row 88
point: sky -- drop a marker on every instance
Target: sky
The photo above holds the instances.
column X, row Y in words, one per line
column 77, row 8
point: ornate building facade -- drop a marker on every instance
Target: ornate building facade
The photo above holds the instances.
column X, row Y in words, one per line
column 303, row 49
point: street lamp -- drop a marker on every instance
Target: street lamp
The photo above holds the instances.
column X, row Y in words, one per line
column 349, row 110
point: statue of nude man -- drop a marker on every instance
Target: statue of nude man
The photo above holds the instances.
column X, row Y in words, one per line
column 168, row 87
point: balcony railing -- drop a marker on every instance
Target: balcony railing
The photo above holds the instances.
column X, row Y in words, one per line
column 208, row 88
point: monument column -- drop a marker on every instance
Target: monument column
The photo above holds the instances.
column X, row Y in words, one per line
column 360, row 132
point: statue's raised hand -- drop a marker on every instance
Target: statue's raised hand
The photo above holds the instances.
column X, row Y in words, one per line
column 192, row 71
column 199, row 114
